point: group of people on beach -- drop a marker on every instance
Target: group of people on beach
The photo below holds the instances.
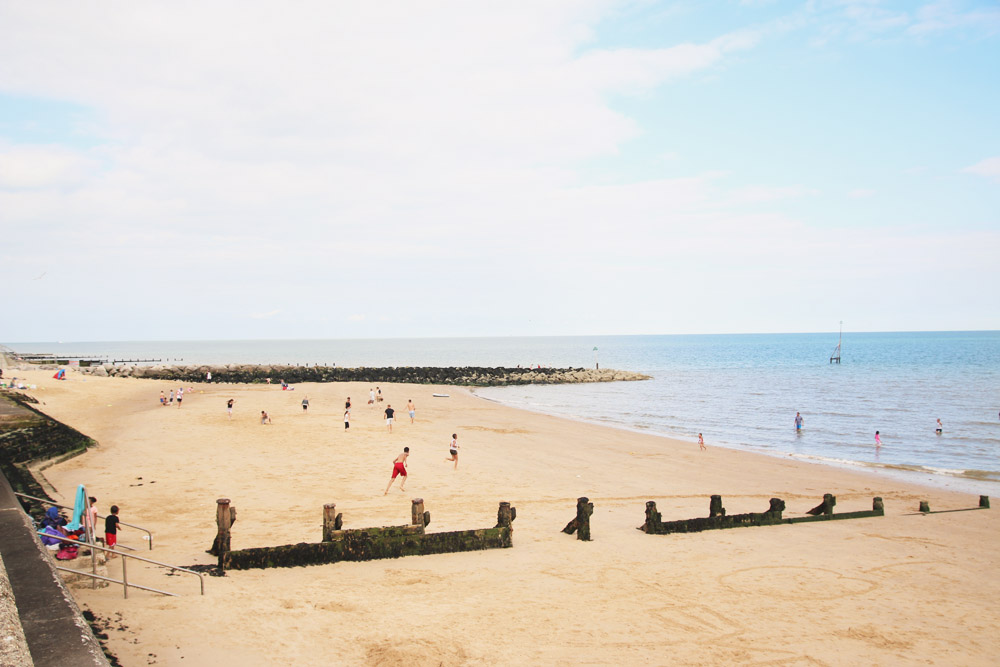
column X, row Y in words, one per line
column 177, row 395
column 62, row 536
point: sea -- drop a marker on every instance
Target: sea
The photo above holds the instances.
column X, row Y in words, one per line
column 741, row 391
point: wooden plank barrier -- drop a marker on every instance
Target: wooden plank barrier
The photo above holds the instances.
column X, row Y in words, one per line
column 363, row 544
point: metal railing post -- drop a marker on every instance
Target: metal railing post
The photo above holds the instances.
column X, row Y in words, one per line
column 125, row 576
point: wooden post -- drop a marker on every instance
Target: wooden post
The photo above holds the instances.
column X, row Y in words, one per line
column 224, row 517
column 825, row 507
column 584, row 508
column 505, row 515
column 715, row 507
column 418, row 517
column 329, row 521
column 984, row 502
column 925, row 506
column 652, row 525
column 877, row 505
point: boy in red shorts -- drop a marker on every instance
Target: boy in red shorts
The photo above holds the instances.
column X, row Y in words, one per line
column 111, row 529
column 399, row 468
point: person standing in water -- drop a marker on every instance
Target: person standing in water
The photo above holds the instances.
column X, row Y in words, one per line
column 939, row 429
column 878, row 440
column 399, row 468
column 701, row 442
column 453, row 450
column 798, row 421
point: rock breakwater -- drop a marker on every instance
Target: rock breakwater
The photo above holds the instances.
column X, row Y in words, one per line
column 465, row 375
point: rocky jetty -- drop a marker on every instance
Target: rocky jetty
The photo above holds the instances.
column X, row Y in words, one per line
column 466, row 375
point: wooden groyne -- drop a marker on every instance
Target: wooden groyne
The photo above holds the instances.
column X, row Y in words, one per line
column 474, row 376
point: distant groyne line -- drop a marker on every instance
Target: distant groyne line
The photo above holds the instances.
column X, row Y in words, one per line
column 473, row 376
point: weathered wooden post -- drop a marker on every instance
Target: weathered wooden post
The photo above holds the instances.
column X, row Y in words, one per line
column 505, row 515
column 925, row 506
column 984, row 502
column 225, row 517
column 715, row 507
column 418, row 517
column 877, row 505
column 776, row 507
column 652, row 525
column 825, row 507
column 581, row 524
column 331, row 521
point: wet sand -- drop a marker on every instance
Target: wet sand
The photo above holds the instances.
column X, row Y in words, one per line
column 900, row 589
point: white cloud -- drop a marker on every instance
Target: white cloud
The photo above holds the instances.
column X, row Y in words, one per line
column 988, row 168
column 32, row 167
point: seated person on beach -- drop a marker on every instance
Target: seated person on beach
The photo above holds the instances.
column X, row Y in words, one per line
column 264, row 417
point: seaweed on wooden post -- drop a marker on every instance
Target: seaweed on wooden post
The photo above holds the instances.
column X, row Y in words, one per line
column 581, row 524
column 925, row 506
column 825, row 507
column 877, row 505
column 652, row 525
column 984, row 502
column 505, row 515
column 331, row 521
column 715, row 507
column 225, row 517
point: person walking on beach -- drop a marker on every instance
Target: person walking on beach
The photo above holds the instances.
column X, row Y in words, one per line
column 798, row 421
column 229, row 408
column 453, row 450
column 878, row 440
column 701, row 442
column 347, row 404
column 412, row 410
column 371, row 397
column 378, row 394
column 305, row 404
column 347, row 419
column 171, row 397
column 264, row 417
column 163, row 398
column 940, row 427
column 389, row 413
column 399, row 468
column 111, row 529
column 180, row 395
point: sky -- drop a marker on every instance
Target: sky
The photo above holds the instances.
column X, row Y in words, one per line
column 191, row 170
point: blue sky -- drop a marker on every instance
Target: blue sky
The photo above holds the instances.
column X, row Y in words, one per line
column 324, row 170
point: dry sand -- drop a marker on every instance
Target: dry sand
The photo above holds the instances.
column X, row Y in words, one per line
column 901, row 589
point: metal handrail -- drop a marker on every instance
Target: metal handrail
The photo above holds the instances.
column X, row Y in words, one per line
column 124, row 581
column 99, row 516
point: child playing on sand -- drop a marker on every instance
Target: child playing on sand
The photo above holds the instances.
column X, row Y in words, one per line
column 347, row 419
column 229, row 408
column 399, row 468
column 264, row 417
column 111, row 529
column 411, row 409
column 453, row 450
column 701, row 442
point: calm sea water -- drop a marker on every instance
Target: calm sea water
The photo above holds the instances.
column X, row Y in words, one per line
column 741, row 391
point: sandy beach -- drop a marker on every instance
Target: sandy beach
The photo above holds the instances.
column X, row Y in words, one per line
column 901, row 589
